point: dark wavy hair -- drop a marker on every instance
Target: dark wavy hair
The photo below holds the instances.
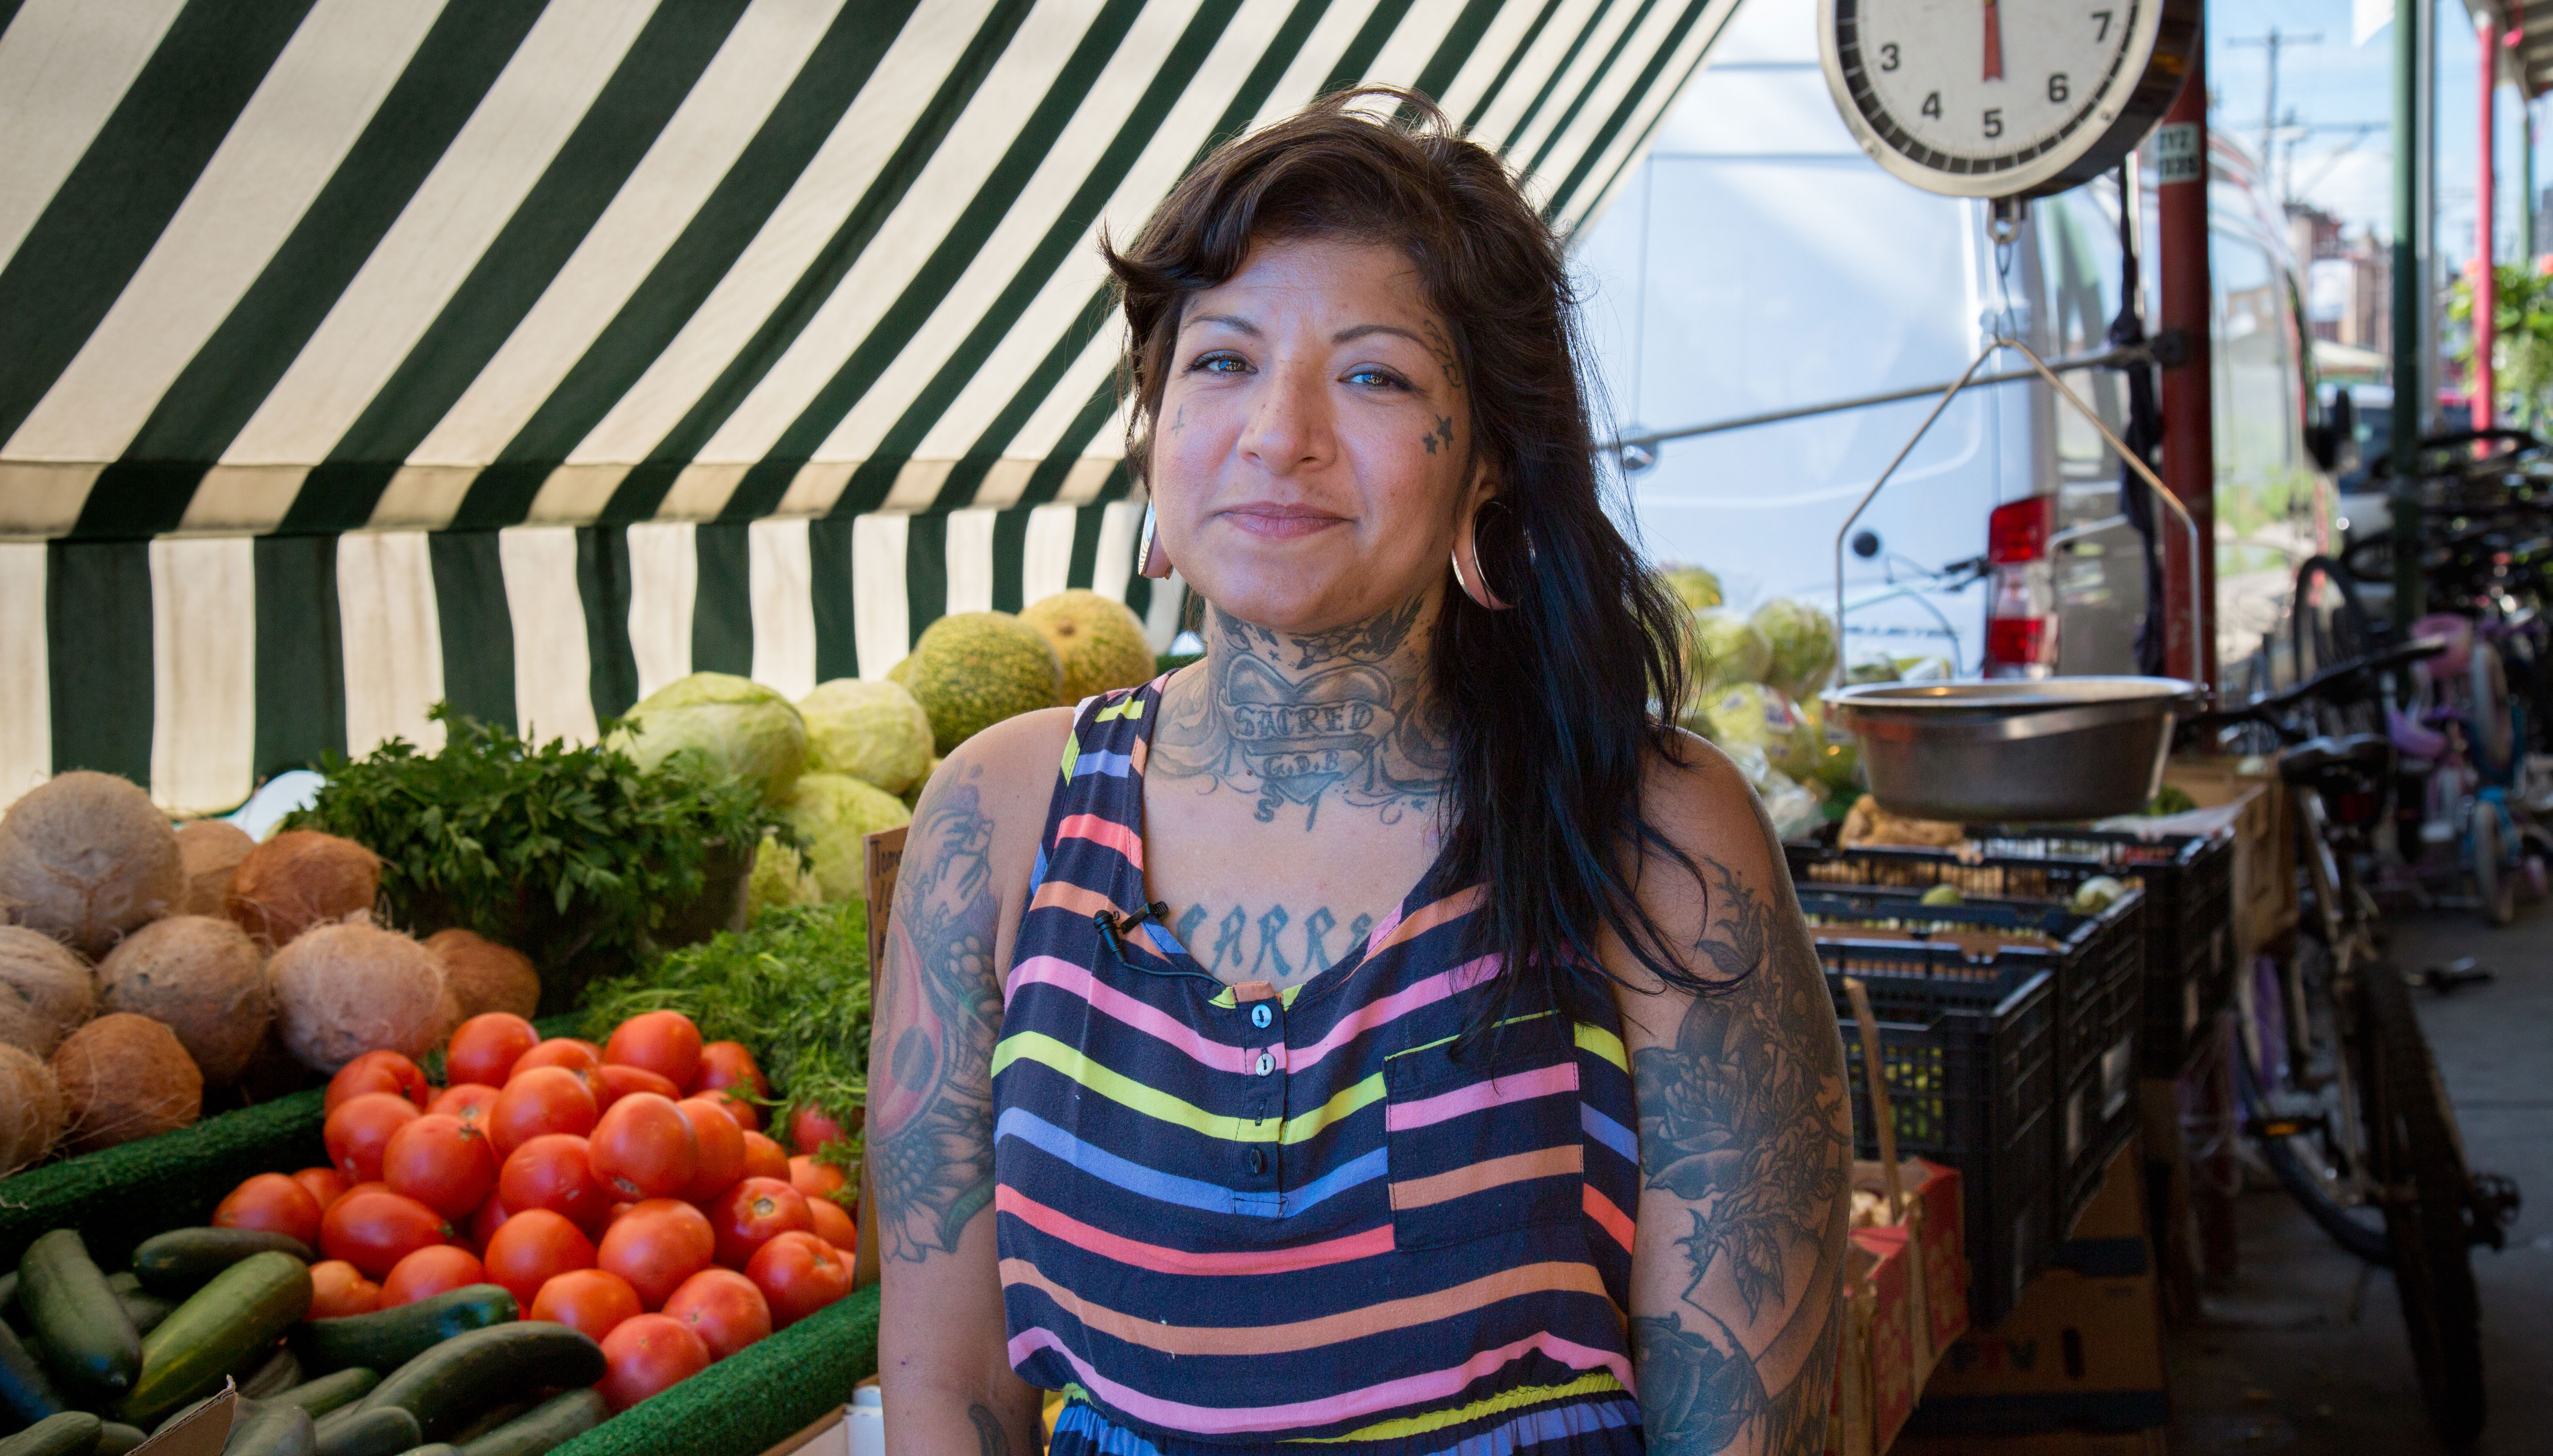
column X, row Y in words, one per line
column 1551, row 704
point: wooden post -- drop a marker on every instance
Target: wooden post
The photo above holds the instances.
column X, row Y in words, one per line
column 882, row 855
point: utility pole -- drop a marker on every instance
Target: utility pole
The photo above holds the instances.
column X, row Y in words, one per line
column 2408, row 309
column 2188, row 420
column 2486, row 288
column 2273, row 43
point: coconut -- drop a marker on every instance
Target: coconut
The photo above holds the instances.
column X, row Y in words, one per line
column 204, row 979
column 85, row 857
column 46, row 991
column 296, row 880
column 126, row 1076
column 342, row 990
column 210, row 848
column 31, row 1110
column 483, row 975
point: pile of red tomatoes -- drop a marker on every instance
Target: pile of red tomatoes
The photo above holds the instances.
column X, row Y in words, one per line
column 625, row 1189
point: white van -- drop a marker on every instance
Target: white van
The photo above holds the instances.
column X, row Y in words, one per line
column 1760, row 262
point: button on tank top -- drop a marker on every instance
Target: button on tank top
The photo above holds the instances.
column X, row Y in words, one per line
column 1235, row 1216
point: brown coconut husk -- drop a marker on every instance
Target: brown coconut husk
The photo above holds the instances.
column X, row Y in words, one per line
column 483, row 975
column 210, row 849
column 342, row 990
column 126, row 1076
column 31, row 1110
column 298, row 879
column 84, row 858
column 46, row 991
column 203, row 979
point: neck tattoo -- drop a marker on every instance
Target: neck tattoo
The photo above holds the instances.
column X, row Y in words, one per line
column 1342, row 715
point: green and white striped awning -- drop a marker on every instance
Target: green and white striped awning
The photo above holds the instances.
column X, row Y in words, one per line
column 357, row 354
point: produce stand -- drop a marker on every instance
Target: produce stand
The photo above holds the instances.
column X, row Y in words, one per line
column 116, row 1198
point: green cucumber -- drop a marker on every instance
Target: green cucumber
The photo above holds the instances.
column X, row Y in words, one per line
column 185, row 1260
column 389, row 1338
column 87, row 1338
column 384, row 1431
column 25, row 1387
column 115, row 1439
column 438, row 1448
column 144, row 1308
column 447, row 1386
column 247, row 1307
column 264, row 1428
column 72, row 1433
column 553, row 1423
column 278, row 1374
column 9, row 1313
column 490, row 1418
column 328, row 1392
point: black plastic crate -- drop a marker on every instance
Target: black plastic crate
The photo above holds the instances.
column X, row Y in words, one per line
column 2097, row 963
column 1970, row 1067
column 2188, row 880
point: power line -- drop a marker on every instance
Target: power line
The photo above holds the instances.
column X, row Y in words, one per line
column 2273, row 43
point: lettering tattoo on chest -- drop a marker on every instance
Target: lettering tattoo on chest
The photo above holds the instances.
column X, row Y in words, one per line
column 1275, row 945
column 1300, row 721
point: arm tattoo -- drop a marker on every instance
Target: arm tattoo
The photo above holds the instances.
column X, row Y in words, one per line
column 991, row 1439
column 1744, row 1120
column 1340, row 717
column 931, row 1113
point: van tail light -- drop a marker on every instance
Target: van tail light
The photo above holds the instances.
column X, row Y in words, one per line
column 2021, row 595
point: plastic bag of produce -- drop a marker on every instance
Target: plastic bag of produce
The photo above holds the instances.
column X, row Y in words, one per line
column 1803, row 641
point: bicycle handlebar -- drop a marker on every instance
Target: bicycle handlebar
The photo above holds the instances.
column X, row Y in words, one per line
column 2356, row 671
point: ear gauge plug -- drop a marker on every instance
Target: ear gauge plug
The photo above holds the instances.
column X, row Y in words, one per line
column 1150, row 558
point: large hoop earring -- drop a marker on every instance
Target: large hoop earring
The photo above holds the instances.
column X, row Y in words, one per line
column 1466, row 564
column 1150, row 558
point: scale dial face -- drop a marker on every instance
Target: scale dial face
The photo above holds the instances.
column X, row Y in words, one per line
column 2003, row 98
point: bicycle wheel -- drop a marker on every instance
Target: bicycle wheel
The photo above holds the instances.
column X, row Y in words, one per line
column 2494, row 724
column 2301, row 1100
column 2418, row 1159
column 2490, row 857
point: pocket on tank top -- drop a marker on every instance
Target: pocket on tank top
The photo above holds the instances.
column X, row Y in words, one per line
column 1483, row 1140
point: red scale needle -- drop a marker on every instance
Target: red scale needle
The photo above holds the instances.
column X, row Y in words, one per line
column 1994, row 43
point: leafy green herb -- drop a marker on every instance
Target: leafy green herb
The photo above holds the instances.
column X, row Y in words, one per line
column 794, row 989
column 573, row 855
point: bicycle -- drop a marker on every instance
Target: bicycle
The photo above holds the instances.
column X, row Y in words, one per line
column 2338, row 1086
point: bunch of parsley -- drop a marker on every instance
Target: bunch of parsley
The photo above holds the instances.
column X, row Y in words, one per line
column 794, row 989
column 571, row 854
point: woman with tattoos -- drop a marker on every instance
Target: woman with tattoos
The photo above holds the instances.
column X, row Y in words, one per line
column 1390, row 1031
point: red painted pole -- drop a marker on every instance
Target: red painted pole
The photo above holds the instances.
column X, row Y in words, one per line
column 2188, row 420
column 2486, row 286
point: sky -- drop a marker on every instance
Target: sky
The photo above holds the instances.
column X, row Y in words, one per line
column 2334, row 85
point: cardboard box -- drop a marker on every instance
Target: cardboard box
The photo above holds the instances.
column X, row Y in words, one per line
column 2264, row 848
column 1895, row 1379
column 2151, row 1442
column 2081, row 1349
column 1848, row 1412
column 1935, row 1193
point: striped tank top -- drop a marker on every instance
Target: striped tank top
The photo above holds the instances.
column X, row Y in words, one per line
column 1234, row 1216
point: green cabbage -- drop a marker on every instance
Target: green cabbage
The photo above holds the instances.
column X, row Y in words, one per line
column 876, row 732
column 1728, row 650
column 1802, row 640
column 1697, row 588
column 736, row 728
column 780, row 880
column 832, row 813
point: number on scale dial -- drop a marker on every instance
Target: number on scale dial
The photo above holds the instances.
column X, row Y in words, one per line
column 2004, row 97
